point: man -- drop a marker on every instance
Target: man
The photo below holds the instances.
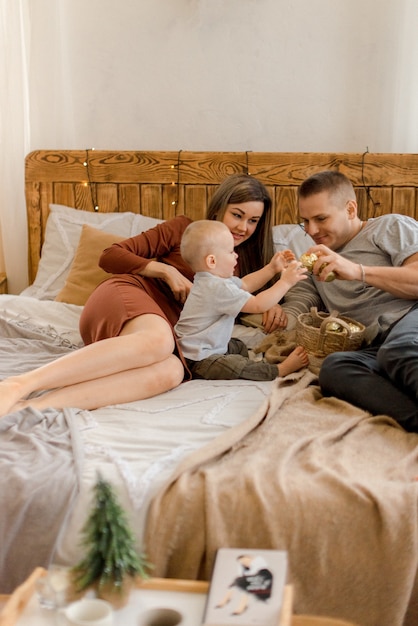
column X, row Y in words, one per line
column 376, row 268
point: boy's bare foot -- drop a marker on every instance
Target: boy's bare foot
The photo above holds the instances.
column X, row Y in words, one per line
column 295, row 361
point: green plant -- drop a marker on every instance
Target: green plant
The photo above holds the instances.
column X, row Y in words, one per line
column 111, row 555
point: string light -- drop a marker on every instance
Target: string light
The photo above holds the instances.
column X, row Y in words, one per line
column 176, row 183
column 176, row 179
column 89, row 183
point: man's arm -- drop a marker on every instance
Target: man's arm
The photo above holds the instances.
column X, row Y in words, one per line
column 401, row 282
column 299, row 299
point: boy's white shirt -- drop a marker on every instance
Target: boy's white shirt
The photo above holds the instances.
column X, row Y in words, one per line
column 206, row 323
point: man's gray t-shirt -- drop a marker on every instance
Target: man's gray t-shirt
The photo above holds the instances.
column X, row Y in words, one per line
column 385, row 241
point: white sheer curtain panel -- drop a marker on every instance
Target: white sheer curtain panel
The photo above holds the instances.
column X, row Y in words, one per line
column 14, row 139
column 405, row 126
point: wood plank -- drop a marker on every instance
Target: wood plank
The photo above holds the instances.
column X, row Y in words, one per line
column 34, row 225
column 107, row 198
column 101, row 166
column 50, row 165
column 379, row 201
column 405, row 201
column 286, row 209
column 170, row 200
column 195, row 202
column 129, row 198
column 212, row 167
column 362, row 203
column 46, row 198
column 65, row 192
column 84, row 194
column 151, row 201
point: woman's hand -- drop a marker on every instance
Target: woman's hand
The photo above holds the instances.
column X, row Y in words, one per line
column 179, row 284
column 274, row 319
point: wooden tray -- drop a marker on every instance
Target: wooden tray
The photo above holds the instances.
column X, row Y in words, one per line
column 22, row 607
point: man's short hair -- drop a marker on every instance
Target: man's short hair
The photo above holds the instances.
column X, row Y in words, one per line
column 331, row 181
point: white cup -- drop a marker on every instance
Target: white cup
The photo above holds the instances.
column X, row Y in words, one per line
column 89, row 612
column 160, row 617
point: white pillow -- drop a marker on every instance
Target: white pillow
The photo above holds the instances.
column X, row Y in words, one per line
column 291, row 237
column 62, row 234
column 143, row 222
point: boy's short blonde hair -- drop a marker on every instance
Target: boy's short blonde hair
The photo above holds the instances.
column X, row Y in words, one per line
column 200, row 239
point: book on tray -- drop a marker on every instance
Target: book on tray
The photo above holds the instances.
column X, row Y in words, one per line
column 246, row 588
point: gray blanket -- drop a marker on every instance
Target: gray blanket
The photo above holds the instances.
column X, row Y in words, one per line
column 40, row 456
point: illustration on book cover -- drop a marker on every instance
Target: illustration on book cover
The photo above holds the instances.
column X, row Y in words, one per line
column 246, row 587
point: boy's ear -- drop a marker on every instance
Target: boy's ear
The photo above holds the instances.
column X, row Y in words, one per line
column 210, row 261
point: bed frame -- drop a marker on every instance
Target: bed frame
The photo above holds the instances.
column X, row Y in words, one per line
column 164, row 184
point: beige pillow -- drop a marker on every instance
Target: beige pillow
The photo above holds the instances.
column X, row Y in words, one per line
column 85, row 273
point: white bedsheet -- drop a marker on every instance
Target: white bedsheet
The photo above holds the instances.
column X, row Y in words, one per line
column 136, row 445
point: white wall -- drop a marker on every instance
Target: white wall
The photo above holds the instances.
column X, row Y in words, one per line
column 261, row 75
column 269, row 75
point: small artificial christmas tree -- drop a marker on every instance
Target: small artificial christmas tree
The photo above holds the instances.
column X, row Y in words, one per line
column 111, row 563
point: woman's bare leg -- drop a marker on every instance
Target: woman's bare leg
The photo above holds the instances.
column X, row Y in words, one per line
column 144, row 342
column 126, row 386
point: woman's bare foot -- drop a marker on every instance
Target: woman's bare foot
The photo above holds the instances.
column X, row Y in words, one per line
column 295, row 361
column 10, row 395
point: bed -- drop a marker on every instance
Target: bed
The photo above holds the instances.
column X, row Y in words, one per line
column 209, row 464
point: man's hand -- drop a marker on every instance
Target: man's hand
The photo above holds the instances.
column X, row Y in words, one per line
column 329, row 261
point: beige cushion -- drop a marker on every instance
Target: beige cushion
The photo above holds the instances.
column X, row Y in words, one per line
column 85, row 273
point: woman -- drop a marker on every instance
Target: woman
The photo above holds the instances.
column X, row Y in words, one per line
column 127, row 323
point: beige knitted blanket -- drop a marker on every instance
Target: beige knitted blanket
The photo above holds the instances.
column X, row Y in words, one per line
column 317, row 477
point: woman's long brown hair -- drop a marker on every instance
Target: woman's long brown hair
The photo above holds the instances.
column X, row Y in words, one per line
column 237, row 189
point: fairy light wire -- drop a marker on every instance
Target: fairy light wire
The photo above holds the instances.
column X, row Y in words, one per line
column 91, row 185
column 177, row 183
column 363, row 181
column 247, row 164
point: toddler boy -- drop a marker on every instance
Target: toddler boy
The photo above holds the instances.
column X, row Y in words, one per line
column 205, row 325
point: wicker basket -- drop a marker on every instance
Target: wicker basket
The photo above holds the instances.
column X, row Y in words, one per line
column 314, row 334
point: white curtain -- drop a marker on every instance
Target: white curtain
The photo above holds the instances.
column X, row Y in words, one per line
column 405, row 123
column 14, row 139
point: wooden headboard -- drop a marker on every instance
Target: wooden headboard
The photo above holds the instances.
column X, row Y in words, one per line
column 164, row 184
